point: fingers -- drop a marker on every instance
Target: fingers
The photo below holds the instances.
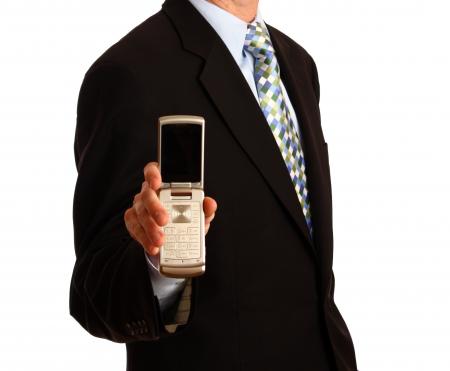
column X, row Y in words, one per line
column 150, row 213
column 135, row 229
column 152, row 175
column 208, row 219
column 153, row 205
column 209, row 208
column 145, row 218
column 151, row 228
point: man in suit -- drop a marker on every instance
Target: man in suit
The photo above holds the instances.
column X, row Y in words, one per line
column 265, row 301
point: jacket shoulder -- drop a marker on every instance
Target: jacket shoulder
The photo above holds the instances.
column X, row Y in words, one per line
column 138, row 46
column 300, row 54
column 291, row 44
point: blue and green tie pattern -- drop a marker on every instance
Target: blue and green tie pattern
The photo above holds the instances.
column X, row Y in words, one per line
column 273, row 105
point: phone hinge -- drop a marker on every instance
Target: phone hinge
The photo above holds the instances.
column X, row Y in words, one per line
column 181, row 191
column 181, row 185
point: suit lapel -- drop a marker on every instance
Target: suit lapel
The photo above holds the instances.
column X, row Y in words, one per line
column 237, row 105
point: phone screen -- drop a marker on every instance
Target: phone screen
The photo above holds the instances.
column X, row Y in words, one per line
column 181, row 150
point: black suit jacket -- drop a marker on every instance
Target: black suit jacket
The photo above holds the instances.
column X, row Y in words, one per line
column 266, row 299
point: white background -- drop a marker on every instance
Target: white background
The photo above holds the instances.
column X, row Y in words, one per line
column 384, row 74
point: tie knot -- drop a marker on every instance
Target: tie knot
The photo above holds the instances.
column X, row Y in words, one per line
column 257, row 41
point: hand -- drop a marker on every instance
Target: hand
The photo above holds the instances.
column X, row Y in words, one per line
column 147, row 215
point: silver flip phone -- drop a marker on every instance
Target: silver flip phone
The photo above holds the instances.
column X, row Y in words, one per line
column 180, row 156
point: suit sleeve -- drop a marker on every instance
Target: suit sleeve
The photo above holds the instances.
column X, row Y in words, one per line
column 111, row 295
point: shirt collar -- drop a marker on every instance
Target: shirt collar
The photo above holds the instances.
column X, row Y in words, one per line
column 231, row 29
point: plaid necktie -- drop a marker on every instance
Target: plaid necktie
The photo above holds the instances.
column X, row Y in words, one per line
column 267, row 78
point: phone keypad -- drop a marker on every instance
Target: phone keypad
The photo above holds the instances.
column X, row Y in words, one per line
column 182, row 232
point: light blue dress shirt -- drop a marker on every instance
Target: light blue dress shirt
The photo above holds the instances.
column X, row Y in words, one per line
column 232, row 31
